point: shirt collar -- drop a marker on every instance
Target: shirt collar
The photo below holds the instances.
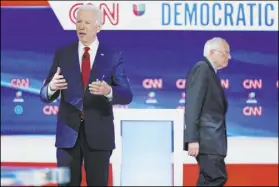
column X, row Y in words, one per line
column 93, row 46
column 212, row 64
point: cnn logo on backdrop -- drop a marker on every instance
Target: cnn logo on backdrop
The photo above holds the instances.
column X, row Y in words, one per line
column 110, row 12
column 20, row 83
column 181, row 83
column 252, row 84
column 252, row 111
column 50, row 110
column 149, row 83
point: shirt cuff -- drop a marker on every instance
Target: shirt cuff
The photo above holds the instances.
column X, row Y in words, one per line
column 49, row 92
column 109, row 96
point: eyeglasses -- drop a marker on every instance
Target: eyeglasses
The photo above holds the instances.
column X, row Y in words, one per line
column 223, row 52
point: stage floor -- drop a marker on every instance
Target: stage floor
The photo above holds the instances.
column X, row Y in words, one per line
column 250, row 161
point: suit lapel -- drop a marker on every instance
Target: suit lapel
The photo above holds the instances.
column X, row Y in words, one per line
column 224, row 99
column 71, row 71
column 76, row 68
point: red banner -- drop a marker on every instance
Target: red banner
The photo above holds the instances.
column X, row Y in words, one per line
column 24, row 3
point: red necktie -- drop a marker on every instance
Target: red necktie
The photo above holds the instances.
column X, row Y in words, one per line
column 85, row 70
column 85, row 66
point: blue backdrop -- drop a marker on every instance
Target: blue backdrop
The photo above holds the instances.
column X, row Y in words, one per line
column 31, row 36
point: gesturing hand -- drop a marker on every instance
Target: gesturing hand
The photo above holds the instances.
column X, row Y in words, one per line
column 58, row 82
column 99, row 88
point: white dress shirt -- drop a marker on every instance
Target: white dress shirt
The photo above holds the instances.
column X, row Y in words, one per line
column 213, row 65
column 93, row 50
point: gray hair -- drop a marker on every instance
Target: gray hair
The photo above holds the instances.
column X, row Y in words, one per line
column 211, row 44
column 94, row 9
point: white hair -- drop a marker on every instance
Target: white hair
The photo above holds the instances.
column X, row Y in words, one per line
column 94, row 9
column 211, row 44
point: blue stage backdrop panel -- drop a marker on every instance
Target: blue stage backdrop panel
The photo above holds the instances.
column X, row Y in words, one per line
column 156, row 62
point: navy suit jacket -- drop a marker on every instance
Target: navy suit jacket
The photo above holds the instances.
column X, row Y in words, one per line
column 98, row 113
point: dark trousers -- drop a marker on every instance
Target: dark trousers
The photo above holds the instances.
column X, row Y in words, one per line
column 96, row 162
column 212, row 170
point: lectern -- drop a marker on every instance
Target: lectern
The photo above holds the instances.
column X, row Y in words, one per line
column 149, row 146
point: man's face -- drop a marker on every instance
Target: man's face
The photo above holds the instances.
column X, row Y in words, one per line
column 221, row 56
column 87, row 26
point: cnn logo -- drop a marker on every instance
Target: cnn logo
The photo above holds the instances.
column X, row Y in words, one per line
column 50, row 110
column 20, row 83
column 252, row 84
column 252, row 111
column 152, row 83
column 110, row 12
column 181, row 83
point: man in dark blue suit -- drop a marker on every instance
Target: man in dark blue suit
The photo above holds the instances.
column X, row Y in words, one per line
column 90, row 78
